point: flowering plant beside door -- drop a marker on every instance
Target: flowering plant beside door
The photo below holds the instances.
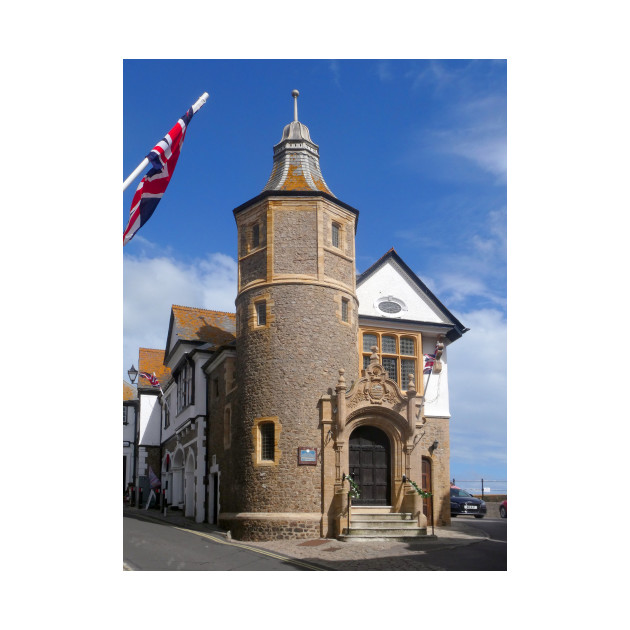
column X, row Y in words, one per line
column 423, row 493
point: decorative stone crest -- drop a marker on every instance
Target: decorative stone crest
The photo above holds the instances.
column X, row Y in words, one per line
column 375, row 388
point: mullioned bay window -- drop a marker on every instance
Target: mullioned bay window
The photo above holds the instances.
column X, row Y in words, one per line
column 398, row 354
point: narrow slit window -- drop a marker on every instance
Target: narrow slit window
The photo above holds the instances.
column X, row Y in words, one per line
column 261, row 313
column 256, row 236
column 267, row 441
column 335, row 235
column 344, row 310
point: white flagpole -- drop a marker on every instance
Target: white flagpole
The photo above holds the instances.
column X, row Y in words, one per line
column 201, row 101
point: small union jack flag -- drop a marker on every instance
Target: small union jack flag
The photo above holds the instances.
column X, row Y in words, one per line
column 152, row 378
column 429, row 362
column 163, row 158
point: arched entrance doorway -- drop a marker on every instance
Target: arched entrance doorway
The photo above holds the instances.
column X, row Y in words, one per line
column 370, row 465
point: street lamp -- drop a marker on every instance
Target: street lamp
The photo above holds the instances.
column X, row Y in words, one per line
column 133, row 374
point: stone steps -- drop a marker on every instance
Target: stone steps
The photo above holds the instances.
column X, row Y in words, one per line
column 391, row 527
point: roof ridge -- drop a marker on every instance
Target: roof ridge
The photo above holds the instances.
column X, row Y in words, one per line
column 200, row 308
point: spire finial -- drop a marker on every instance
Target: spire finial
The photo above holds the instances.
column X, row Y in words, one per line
column 295, row 95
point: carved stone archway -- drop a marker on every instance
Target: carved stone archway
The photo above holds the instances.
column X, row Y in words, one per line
column 374, row 400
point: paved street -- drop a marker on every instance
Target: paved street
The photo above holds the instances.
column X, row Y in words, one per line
column 152, row 546
column 173, row 542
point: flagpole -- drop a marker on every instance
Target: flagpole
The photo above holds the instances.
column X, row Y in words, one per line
column 201, row 101
column 135, row 174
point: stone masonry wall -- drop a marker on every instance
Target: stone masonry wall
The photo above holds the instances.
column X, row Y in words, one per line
column 253, row 267
column 338, row 268
column 295, row 241
column 438, row 429
column 221, row 395
column 283, row 371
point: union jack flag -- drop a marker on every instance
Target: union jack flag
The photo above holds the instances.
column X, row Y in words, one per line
column 429, row 361
column 154, row 480
column 163, row 158
column 152, row 378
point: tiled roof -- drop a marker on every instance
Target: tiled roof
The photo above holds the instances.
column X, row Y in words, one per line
column 151, row 360
column 200, row 324
column 129, row 391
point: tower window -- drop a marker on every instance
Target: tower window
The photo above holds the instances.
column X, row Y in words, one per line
column 266, row 434
column 344, row 310
column 267, row 441
column 261, row 313
column 256, row 236
column 335, row 235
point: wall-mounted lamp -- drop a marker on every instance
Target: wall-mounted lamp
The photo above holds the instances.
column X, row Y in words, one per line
column 404, row 479
column 434, row 445
column 133, row 374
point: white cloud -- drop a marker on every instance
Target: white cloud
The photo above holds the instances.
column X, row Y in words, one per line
column 152, row 284
column 478, row 389
column 478, row 134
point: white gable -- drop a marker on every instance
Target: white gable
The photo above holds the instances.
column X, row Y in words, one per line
column 390, row 283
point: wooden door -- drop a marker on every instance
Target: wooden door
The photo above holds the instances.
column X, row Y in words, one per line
column 427, row 487
column 370, row 465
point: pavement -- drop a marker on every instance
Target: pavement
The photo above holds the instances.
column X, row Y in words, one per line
column 332, row 554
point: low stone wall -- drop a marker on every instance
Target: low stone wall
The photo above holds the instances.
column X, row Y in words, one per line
column 262, row 529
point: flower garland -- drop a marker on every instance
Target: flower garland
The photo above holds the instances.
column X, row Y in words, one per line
column 354, row 488
column 422, row 493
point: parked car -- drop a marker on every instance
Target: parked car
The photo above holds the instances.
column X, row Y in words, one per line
column 463, row 502
column 503, row 509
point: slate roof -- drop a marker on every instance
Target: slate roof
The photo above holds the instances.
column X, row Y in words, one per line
column 152, row 360
column 296, row 160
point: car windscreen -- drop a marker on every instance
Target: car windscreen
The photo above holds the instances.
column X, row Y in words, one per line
column 457, row 492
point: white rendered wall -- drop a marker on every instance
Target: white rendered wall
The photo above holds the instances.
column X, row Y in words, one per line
column 436, row 394
column 391, row 280
column 198, row 407
column 128, row 429
column 150, row 420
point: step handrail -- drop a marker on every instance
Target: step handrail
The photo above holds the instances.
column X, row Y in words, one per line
column 353, row 491
column 424, row 494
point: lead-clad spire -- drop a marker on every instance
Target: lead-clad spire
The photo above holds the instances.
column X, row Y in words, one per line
column 296, row 159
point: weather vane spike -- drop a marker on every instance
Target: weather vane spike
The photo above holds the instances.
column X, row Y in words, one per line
column 295, row 95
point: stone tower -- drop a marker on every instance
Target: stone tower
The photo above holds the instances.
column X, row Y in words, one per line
column 297, row 326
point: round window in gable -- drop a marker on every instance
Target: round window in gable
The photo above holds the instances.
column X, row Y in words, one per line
column 390, row 307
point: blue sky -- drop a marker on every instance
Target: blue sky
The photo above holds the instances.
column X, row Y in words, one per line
column 418, row 147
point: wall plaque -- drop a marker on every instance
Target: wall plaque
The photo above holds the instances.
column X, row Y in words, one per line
column 307, row 456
